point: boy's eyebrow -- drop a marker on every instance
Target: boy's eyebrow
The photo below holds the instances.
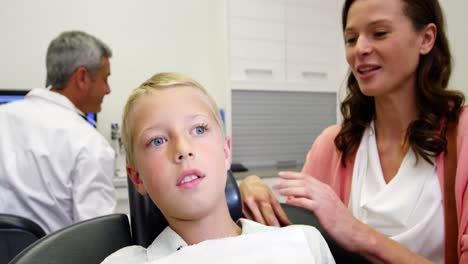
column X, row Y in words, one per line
column 194, row 116
column 159, row 126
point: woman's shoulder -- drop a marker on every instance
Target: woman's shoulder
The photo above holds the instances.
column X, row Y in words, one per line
column 463, row 118
column 331, row 132
column 324, row 154
column 326, row 139
column 462, row 125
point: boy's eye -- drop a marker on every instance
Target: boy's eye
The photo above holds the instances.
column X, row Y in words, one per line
column 157, row 141
column 199, row 130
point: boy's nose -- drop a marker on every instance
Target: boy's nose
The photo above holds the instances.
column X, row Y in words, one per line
column 183, row 149
column 182, row 156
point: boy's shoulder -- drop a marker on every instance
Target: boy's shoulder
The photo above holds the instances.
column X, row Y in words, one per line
column 130, row 254
column 314, row 240
column 251, row 227
column 311, row 233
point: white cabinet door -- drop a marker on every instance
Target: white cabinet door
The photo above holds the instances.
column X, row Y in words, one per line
column 312, row 41
column 257, row 40
column 293, row 44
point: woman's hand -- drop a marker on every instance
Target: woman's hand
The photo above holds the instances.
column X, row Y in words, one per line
column 260, row 204
column 305, row 191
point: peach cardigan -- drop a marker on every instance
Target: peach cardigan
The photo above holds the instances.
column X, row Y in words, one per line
column 324, row 162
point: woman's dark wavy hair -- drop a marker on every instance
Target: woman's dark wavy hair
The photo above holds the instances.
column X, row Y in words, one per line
column 437, row 106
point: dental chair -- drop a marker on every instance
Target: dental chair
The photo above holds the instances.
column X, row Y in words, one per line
column 144, row 216
column 93, row 240
column 87, row 242
column 16, row 233
column 301, row 216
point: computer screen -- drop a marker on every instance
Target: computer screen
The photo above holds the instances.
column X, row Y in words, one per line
column 7, row 96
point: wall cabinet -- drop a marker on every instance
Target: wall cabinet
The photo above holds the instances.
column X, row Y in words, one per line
column 284, row 44
column 285, row 61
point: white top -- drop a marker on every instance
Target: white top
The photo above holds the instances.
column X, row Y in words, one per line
column 408, row 209
column 55, row 168
column 257, row 244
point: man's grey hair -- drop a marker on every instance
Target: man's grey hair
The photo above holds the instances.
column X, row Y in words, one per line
column 71, row 50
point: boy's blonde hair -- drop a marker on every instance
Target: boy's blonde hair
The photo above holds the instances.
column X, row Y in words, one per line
column 161, row 81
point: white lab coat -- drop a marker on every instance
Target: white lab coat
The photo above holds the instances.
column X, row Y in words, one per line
column 55, row 168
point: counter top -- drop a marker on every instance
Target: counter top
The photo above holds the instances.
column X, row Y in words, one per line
column 120, row 182
column 265, row 172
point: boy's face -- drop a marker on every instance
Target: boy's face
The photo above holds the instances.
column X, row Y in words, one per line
column 181, row 156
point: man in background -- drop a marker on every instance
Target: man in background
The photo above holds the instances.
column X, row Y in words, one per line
column 55, row 168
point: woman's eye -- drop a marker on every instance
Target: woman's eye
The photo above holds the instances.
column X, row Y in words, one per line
column 380, row 34
column 157, row 141
column 350, row 40
column 199, row 130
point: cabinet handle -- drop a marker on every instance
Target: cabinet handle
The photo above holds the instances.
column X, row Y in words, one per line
column 314, row 75
column 265, row 73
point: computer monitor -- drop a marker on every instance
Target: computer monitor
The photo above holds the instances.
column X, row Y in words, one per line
column 7, row 96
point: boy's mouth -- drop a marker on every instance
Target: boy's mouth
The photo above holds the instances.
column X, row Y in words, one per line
column 188, row 176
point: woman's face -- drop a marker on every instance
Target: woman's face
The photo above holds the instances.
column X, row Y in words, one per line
column 382, row 47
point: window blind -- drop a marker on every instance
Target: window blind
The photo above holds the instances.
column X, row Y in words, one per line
column 276, row 128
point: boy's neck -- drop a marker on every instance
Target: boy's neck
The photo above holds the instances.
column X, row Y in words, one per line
column 217, row 225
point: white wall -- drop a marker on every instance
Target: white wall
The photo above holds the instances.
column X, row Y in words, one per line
column 146, row 36
column 455, row 15
column 149, row 36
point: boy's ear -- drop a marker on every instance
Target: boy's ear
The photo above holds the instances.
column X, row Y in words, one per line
column 227, row 152
column 136, row 179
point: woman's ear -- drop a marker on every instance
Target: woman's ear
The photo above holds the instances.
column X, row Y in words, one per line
column 429, row 35
column 136, row 179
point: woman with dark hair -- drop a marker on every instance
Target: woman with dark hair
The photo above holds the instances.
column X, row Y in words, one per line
column 386, row 181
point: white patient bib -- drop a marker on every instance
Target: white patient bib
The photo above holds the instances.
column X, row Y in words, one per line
column 276, row 246
column 408, row 209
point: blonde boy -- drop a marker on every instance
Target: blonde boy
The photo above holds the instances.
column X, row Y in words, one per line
column 178, row 154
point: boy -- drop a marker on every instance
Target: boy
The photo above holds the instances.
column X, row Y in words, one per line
column 178, row 154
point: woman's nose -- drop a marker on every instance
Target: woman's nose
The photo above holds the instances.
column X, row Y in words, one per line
column 363, row 46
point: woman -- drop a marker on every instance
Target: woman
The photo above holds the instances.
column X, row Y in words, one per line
column 375, row 182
